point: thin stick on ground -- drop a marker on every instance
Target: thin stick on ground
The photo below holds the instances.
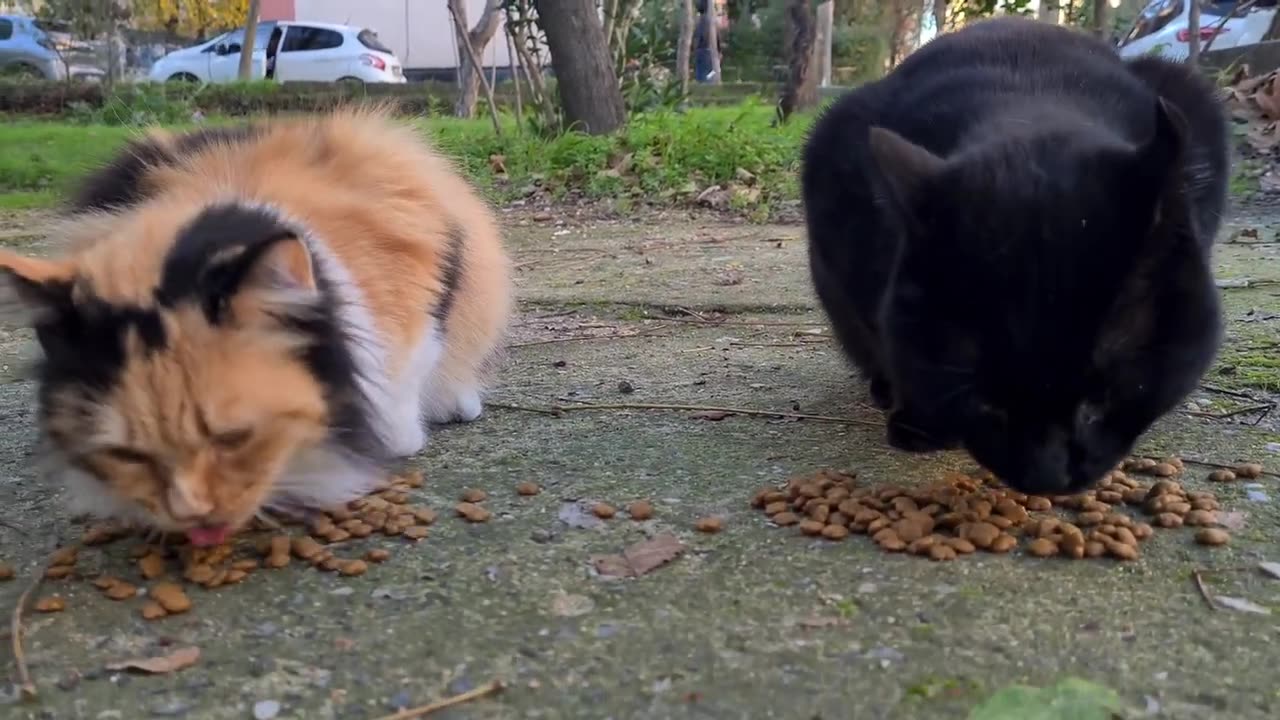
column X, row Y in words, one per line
column 1204, row 591
column 558, row 410
column 745, row 323
column 488, row 688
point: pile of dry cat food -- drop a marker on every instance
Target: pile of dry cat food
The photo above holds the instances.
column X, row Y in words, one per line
column 963, row 513
column 386, row 511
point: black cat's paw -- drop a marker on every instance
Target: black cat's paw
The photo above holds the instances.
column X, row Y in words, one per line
column 902, row 436
column 881, row 393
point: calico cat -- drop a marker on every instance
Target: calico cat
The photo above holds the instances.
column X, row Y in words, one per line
column 259, row 317
column 1011, row 235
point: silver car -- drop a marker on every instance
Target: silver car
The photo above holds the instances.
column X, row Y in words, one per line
column 25, row 49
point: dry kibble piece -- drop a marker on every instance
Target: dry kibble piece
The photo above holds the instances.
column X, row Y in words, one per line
column 1201, row 518
column 941, row 551
column 981, row 534
column 398, row 497
column 604, row 511
column 331, row 563
column 352, row 567
column 57, row 572
column 1222, row 476
column 774, row 508
column 1204, row 504
column 1003, row 543
column 64, row 556
column 527, row 489
column 360, row 529
column 1169, row 520
column 835, row 532
column 199, row 573
column 785, row 518
column 811, row 527
column 416, row 532
column 960, row 545
column 378, row 555
column 151, row 565
column 6, row 572
column 413, row 479
column 395, row 527
column 1122, row 551
column 1213, row 536
column 50, row 604
column 1094, row 548
column 1249, row 471
column 376, row 519
column 1180, row 508
column 1126, row 536
column 1043, row 547
column 1142, row 531
column 1164, row 469
column 474, row 513
column 893, row 544
column 245, row 565
column 152, row 610
column 321, row 525
column 121, row 590
column 474, row 495
column 1073, row 546
column 100, row 534
column 922, row 545
column 306, row 548
column 1038, row 504
column 1111, row 497
column 1090, row 518
column 170, row 597
column 709, row 524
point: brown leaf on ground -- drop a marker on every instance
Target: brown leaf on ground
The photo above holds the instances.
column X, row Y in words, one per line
column 640, row 558
column 179, row 659
column 1268, row 98
column 712, row 415
column 498, row 164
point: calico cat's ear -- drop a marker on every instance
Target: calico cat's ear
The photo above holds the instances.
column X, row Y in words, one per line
column 32, row 288
column 284, row 265
column 903, row 167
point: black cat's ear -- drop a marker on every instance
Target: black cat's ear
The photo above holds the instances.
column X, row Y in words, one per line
column 903, row 167
column 32, row 289
column 1160, row 154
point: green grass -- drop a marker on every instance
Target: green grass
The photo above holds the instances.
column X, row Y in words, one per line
column 663, row 156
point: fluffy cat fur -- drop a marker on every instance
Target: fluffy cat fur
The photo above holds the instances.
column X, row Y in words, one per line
column 1011, row 235
column 260, row 316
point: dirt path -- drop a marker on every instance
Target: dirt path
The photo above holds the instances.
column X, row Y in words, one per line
column 752, row 622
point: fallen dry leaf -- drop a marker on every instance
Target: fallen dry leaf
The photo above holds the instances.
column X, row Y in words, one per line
column 1233, row 520
column 640, row 558
column 712, row 415
column 1235, row 603
column 822, row 621
column 1270, row 568
column 179, row 659
column 569, row 605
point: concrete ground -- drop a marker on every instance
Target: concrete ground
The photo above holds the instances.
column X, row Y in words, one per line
column 753, row 622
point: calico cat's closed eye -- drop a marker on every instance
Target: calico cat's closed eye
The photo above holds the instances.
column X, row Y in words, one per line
column 232, row 439
column 128, row 455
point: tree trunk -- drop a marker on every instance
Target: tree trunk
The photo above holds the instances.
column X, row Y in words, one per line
column 940, row 14
column 250, row 37
column 589, row 92
column 1048, row 11
column 685, row 47
column 822, row 42
column 711, row 17
column 1100, row 13
column 479, row 36
column 1193, row 34
column 800, row 91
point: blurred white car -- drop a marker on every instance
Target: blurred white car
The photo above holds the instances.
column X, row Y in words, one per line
column 287, row 51
column 1161, row 27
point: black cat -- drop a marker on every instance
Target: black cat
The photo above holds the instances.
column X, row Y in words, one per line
column 1011, row 234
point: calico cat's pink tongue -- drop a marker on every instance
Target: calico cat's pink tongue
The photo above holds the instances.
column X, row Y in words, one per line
column 208, row 536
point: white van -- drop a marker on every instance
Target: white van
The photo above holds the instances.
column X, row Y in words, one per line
column 1161, row 27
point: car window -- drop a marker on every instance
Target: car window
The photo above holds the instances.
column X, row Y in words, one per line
column 302, row 37
column 370, row 39
column 6, row 28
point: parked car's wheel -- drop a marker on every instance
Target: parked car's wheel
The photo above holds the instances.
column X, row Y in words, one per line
column 22, row 70
column 351, row 81
column 183, row 77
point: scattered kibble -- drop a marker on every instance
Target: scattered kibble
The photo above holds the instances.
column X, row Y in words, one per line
column 473, row 513
column 473, row 495
column 64, row 556
column 120, row 590
column 710, row 524
column 1213, row 537
column 604, row 511
column 6, row 572
column 640, row 510
column 1222, row 476
column 378, row 555
column 528, row 488
column 416, row 532
column 170, row 597
column 50, row 604
column 152, row 610
column 57, row 572
column 151, row 565
column 352, row 567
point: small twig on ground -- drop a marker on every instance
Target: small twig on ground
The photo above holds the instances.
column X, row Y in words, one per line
column 1264, row 408
column 647, row 332
column 488, row 688
column 1224, row 391
column 558, row 410
column 1204, row 591
column 745, row 323
column 554, row 412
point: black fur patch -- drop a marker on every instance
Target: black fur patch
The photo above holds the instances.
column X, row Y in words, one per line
column 121, row 182
column 451, row 275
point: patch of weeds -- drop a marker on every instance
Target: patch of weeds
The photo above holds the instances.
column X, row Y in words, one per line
column 1069, row 699
column 935, row 688
column 1243, row 180
column 848, row 608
